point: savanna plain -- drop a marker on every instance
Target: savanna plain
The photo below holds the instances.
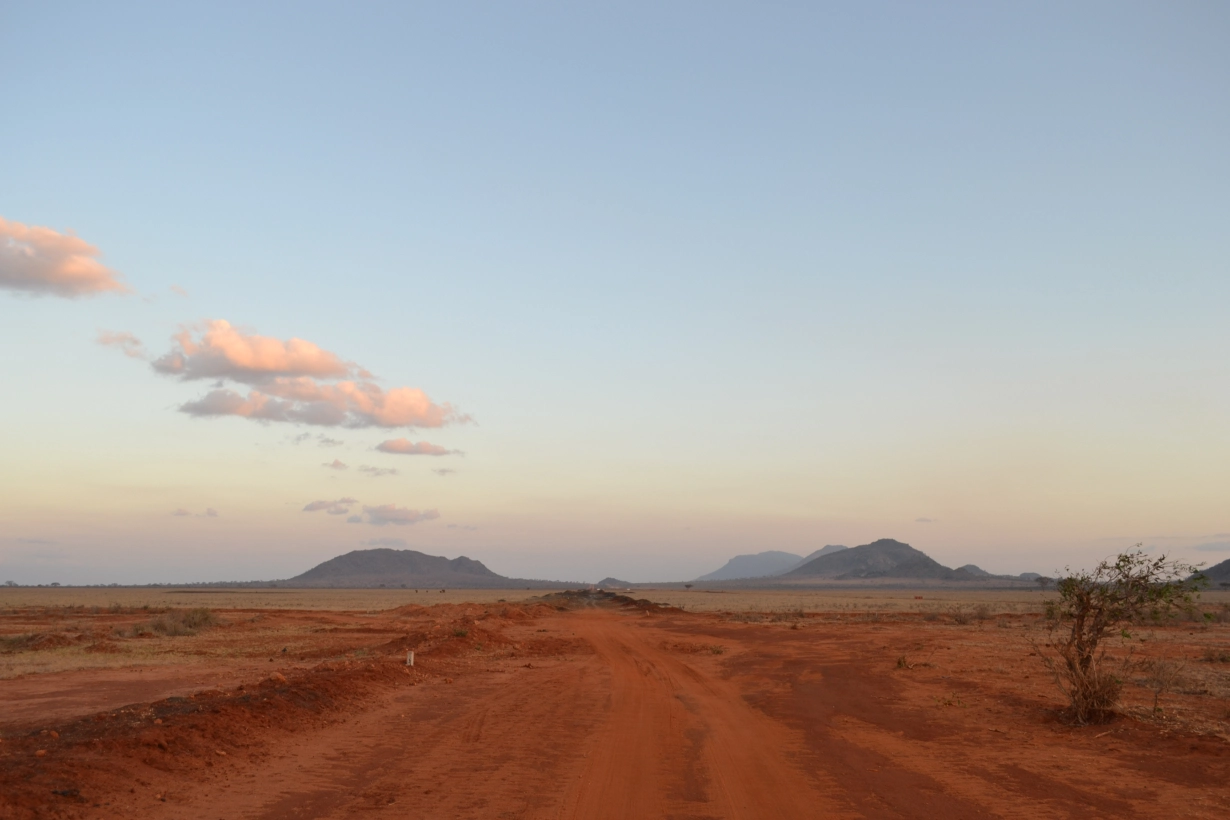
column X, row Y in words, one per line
column 291, row 703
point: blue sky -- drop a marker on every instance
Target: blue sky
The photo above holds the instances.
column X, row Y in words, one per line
column 710, row 278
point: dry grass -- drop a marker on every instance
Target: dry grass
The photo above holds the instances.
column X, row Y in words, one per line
column 886, row 601
column 128, row 599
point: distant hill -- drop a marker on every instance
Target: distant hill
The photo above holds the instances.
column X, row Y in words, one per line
column 613, row 583
column 822, row 551
column 759, row 565
column 885, row 558
column 409, row 568
column 1217, row 574
column 976, row 571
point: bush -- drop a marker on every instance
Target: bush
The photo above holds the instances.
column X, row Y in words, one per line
column 183, row 622
column 1093, row 606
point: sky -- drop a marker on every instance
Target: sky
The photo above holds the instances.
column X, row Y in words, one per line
column 581, row 291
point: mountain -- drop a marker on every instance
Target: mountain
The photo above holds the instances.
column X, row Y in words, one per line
column 405, row 568
column 822, row 551
column 613, row 583
column 1217, row 574
column 885, row 558
column 759, row 565
column 976, row 571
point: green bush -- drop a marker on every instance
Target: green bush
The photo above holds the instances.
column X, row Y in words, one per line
column 1095, row 605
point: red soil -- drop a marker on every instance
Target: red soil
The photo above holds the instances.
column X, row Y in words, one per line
column 597, row 713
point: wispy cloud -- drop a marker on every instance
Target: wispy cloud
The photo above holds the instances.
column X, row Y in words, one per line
column 42, row 261
column 210, row 512
column 123, row 341
column 924, row 520
column 400, row 516
column 324, row 441
column 461, row 527
column 178, row 291
column 377, row 472
column 1213, row 546
column 339, row 507
column 444, row 471
column 405, row 447
column 336, row 464
column 385, row 542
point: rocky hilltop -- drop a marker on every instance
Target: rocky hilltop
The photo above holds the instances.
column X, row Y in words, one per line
column 408, row 568
column 885, row 558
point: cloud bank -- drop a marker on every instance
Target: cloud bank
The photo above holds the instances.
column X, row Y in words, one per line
column 41, row 261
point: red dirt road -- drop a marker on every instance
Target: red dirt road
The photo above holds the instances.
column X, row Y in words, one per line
column 676, row 739
column 608, row 713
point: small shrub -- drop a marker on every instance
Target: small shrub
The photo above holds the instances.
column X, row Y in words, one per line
column 931, row 615
column 460, row 633
column 1214, row 654
column 904, row 663
column 175, row 623
column 17, row 643
column 717, row 650
column 982, row 612
column 1093, row 606
column 1161, row 676
column 960, row 615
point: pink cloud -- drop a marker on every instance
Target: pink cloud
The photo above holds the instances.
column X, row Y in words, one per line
column 127, row 344
column 339, row 507
column 43, row 261
column 377, row 472
column 345, row 404
column 222, row 351
column 181, row 512
column 336, row 464
column 405, row 447
column 292, row 381
column 400, row 516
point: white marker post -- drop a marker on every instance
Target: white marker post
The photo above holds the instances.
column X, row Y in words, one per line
column 410, row 658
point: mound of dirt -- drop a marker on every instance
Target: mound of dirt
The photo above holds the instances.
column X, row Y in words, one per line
column 178, row 735
column 590, row 598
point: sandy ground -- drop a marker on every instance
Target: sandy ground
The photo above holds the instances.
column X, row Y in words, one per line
column 526, row 710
